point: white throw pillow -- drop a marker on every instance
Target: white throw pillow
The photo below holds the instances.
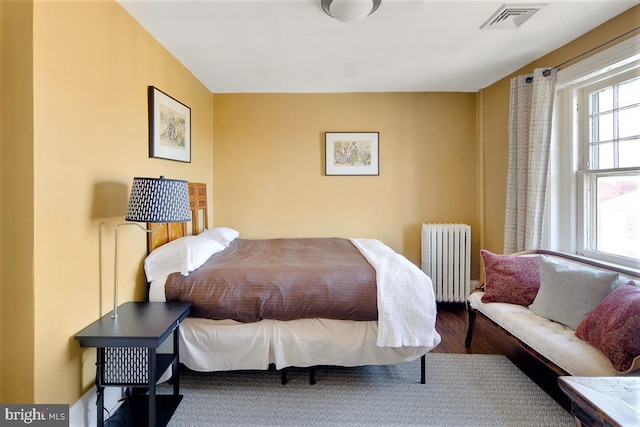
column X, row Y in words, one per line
column 568, row 293
column 182, row 255
column 224, row 235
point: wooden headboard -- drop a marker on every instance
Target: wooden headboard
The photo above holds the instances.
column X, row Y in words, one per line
column 166, row 232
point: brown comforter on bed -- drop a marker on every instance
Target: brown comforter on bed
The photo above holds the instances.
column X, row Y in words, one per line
column 282, row 279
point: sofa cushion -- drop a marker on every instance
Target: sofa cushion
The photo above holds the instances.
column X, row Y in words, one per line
column 509, row 278
column 568, row 293
column 614, row 328
column 555, row 341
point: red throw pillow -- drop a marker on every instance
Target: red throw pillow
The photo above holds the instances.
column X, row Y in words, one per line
column 510, row 278
column 613, row 327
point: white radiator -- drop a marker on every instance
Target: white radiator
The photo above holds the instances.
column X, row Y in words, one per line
column 446, row 259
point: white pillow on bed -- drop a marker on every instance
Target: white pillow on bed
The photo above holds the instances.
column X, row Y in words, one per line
column 181, row 255
column 224, row 235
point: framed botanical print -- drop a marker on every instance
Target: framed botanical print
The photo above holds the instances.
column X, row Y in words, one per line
column 169, row 127
column 352, row 153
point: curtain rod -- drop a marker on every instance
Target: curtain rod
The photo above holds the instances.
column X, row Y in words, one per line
column 547, row 73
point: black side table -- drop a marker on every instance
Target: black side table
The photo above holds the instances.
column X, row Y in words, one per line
column 127, row 357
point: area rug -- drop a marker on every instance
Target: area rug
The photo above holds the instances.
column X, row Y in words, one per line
column 461, row 390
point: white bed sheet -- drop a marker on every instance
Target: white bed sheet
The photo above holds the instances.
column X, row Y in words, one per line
column 222, row 345
column 225, row 345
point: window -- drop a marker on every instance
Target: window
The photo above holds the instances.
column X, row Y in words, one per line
column 608, row 175
column 593, row 199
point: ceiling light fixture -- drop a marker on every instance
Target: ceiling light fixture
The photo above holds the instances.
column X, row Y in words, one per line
column 350, row 10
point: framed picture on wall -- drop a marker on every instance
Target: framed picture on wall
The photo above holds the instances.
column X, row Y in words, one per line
column 352, row 153
column 169, row 127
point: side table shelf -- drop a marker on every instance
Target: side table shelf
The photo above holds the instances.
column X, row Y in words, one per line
column 135, row 411
column 127, row 357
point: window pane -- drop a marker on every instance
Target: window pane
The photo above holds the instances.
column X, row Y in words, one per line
column 602, row 100
column 602, row 156
column 629, row 153
column 629, row 122
column 629, row 93
column 602, row 128
column 618, row 215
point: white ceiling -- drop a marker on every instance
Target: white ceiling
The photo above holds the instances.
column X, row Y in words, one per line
column 406, row 45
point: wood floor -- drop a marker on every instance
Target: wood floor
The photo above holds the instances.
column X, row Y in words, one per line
column 488, row 339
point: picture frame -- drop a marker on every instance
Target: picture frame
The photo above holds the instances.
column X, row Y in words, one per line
column 352, row 153
column 169, row 127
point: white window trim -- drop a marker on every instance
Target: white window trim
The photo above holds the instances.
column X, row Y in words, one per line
column 562, row 221
column 621, row 54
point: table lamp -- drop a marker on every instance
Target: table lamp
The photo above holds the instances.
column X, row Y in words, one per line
column 156, row 201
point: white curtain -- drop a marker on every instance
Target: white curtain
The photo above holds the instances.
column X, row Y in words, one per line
column 530, row 114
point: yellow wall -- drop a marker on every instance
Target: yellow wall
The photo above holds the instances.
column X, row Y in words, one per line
column 496, row 116
column 2, row 190
column 17, row 207
column 2, row 278
column 84, row 105
column 268, row 165
column 74, row 76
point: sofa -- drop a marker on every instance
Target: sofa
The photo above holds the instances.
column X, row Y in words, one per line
column 578, row 316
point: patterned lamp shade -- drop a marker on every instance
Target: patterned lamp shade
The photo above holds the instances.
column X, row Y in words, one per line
column 159, row 200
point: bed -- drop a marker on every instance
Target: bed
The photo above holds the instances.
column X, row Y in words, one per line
column 259, row 303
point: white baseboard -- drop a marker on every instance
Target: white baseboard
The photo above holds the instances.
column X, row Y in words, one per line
column 83, row 413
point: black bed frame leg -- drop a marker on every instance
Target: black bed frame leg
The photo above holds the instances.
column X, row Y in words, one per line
column 423, row 369
column 472, row 323
column 312, row 376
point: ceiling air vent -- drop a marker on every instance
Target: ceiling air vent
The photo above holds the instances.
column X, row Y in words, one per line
column 511, row 16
